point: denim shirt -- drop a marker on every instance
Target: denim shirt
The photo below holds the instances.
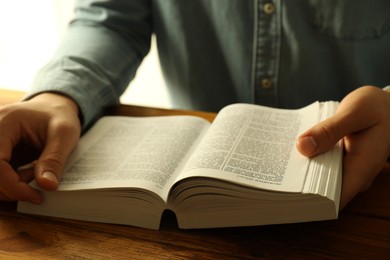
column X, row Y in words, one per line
column 281, row 53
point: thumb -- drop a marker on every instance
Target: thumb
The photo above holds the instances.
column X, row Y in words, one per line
column 51, row 163
column 49, row 167
column 324, row 135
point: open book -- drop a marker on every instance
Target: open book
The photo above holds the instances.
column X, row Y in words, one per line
column 241, row 170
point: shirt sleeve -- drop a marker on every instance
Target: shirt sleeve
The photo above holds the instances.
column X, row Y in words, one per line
column 99, row 55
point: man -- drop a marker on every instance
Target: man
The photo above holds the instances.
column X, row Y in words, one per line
column 275, row 53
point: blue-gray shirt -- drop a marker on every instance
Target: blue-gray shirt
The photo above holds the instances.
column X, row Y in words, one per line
column 282, row 53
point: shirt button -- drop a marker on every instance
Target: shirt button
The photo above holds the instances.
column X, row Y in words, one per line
column 266, row 83
column 269, row 8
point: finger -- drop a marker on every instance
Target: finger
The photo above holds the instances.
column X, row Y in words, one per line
column 13, row 188
column 324, row 135
column 356, row 181
column 60, row 142
column 360, row 167
column 321, row 137
column 26, row 172
column 359, row 110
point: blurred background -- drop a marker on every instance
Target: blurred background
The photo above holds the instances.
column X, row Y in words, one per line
column 30, row 31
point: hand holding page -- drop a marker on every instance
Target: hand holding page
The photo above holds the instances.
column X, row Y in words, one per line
column 241, row 170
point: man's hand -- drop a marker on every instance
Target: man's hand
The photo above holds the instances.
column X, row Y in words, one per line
column 49, row 124
column 363, row 120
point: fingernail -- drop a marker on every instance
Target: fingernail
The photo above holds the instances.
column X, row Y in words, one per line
column 308, row 144
column 50, row 177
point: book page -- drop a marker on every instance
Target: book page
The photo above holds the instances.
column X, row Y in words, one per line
column 255, row 146
column 132, row 152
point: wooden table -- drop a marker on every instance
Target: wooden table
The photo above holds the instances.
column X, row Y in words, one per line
column 361, row 232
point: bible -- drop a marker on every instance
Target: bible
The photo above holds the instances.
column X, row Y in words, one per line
column 243, row 169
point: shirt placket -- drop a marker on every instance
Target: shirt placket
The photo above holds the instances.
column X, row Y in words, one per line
column 267, row 37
